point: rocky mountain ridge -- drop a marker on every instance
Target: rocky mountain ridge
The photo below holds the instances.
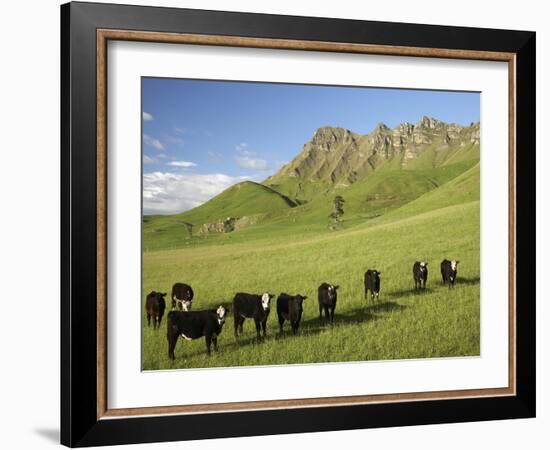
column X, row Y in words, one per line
column 338, row 155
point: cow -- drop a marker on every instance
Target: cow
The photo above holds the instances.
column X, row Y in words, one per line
column 194, row 325
column 289, row 307
column 252, row 306
column 448, row 272
column 420, row 274
column 372, row 284
column 327, row 297
column 154, row 307
column 182, row 296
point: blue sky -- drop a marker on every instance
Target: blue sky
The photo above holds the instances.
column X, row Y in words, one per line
column 200, row 137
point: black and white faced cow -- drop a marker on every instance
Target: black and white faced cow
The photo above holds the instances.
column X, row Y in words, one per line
column 449, row 270
column 420, row 274
column 289, row 307
column 251, row 306
column 372, row 283
column 154, row 307
column 194, row 325
column 327, row 297
column 182, row 296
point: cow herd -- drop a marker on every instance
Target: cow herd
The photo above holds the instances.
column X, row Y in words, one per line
column 209, row 323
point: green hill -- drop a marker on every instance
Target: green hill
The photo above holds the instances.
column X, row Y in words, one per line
column 465, row 188
column 242, row 199
column 253, row 201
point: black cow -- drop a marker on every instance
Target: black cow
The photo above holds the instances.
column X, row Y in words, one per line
column 420, row 274
column 154, row 307
column 327, row 297
column 194, row 325
column 372, row 283
column 182, row 296
column 251, row 306
column 289, row 307
column 448, row 272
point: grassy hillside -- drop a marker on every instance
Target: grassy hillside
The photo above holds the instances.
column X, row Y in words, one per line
column 403, row 324
column 380, row 193
column 464, row 188
column 249, row 199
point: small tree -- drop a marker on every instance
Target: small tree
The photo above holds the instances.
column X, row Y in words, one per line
column 337, row 211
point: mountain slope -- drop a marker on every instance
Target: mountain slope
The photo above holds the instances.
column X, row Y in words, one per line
column 376, row 195
column 248, row 199
column 336, row 157
column 463, row 189
column 242, row 199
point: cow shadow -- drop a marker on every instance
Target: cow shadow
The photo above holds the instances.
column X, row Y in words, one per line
column 227, row 341
column 308, row 326
column 369, row 312
column 468, row 280
column 408, row 292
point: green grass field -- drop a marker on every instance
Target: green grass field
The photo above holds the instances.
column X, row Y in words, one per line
column 432, row 215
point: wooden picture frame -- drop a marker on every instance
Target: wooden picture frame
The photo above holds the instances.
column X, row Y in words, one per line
column 85, row 416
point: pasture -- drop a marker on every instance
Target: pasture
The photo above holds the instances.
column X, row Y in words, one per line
column 402, row 324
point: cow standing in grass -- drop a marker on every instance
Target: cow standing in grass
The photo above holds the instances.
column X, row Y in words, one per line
column 449, row 270
column 194, row 325
column 327, row 297
column 251, row 306
column 289, row 307
column 372, row 284
column 182, row 296
column 154, row 307
column 420, row 274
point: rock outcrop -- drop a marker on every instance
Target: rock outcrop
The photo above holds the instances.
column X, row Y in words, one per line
column 340, row 156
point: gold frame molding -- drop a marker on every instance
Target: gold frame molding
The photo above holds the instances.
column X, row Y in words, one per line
column 105, row 35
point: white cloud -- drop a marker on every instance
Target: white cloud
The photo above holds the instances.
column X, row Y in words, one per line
column 152, row 142
column 248, row 162
column 242, row 149
column 247, row 159
column 148, row 160
column 147, row 117
column 180, row 130
column 215, row 156
column 182, row 164
column 172, row 139
column 170, row 193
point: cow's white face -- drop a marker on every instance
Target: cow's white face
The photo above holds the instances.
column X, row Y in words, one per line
column 454, row 264
column 423, row 266
column 265, row 301
column 221, row 312
column 186, row 305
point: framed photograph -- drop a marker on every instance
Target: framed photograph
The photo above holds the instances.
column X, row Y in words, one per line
column 276, row 224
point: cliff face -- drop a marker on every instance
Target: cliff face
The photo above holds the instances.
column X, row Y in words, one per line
column 336, row 155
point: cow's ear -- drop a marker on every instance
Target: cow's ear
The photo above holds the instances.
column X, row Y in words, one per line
column 336, row 287
column 304, row 297
column 457, row 262
column 164, row 294
column 425, row 263
column 379, row 273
